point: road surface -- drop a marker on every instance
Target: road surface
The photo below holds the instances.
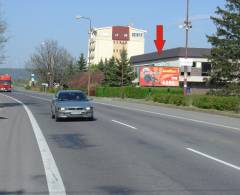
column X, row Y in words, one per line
column 128, row 149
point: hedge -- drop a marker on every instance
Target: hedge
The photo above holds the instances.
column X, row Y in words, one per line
column 178, row 100
column 174, row 96
column 134, row 92
column 217, row 102
column 202, row 101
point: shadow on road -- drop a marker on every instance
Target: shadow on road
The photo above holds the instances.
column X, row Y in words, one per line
column 9, row 105
column 113, row 190
column 3, row 117
column 77, row 120
column 20, row 192
column 71, row 141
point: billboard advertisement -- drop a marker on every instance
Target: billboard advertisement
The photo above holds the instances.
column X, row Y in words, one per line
column 159, row 76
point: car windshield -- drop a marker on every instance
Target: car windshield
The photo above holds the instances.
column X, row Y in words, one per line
column 6, row 82
column 72, row 96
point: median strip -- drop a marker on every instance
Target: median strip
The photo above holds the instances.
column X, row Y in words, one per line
column 213, row 158
column 121, row 123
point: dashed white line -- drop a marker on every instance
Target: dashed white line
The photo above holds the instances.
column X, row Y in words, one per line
column 157, row 113
column 215, row 159
column 124, row 124
column 54, row 180
column 171, row 116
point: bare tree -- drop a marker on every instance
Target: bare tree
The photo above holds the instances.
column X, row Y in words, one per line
column 51, row 63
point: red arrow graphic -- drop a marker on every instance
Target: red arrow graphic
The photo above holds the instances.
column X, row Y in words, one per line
column 159, row 42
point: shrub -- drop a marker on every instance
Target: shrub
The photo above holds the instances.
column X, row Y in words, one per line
column 217, row 102
column 108, row 91
column 178, row 100
column 27, row 87
column 135, row 92
column 173, row 96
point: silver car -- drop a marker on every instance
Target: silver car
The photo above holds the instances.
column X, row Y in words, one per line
column 71, row 104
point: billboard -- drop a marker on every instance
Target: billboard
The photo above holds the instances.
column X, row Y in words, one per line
column 159, row 76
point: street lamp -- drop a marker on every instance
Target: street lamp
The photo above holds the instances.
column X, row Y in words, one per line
column 187, row 25
column 89, row 49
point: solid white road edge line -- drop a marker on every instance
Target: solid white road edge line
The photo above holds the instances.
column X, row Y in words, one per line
column 54, row 180
column 213, row 158
column 171, row 116
column 121, row 123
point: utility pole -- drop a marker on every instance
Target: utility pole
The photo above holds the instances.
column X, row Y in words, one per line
column 122, row 92
column 89, row 49
column 89, row 57
column 187, row 26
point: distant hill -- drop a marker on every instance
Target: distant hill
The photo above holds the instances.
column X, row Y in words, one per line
column 16, row 73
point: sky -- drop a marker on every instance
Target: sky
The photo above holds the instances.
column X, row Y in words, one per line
column 30, row 22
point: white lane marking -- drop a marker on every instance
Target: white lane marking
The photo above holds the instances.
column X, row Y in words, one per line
column 40, row 98
column 160, row 114
column 213, row 158
column 171, row 116
column 121, row 123
column 54, row 180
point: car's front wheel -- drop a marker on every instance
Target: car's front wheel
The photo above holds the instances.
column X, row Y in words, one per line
column 53, row 115
column 91, row 118
column 57, row 119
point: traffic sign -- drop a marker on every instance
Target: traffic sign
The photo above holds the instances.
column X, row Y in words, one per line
column 185, row 62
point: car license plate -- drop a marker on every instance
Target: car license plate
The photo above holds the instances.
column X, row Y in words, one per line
column 76, row 112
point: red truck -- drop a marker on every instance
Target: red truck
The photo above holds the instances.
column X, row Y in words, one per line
column 6, row 83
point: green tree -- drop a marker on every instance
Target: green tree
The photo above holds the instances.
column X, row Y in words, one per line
column 225, row 53
column 101, row 66
column 81, row 63
column 125, row 73
column 110, row 73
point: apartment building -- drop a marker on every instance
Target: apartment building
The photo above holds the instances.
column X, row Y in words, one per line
column 107, row 42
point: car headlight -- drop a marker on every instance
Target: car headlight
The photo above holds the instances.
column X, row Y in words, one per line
column 62, row 109
column 88, row 108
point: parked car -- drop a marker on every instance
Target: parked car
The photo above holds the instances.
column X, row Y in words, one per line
column 71, row 104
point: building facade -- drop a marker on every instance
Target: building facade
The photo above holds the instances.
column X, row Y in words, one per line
column 110, row 41
column 198, row 70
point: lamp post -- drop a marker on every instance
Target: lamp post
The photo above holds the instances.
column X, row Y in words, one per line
column 187, row 26
column 89, row 49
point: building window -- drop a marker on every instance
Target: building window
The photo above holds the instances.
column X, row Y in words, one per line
column 114, row 51
column 125, row 35
column 206, row 68
column 116, row 35
column 194, row 64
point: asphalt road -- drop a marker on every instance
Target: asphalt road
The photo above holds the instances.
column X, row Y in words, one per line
column 128, row 149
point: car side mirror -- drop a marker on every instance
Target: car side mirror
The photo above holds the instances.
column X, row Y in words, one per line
column 90, row 99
